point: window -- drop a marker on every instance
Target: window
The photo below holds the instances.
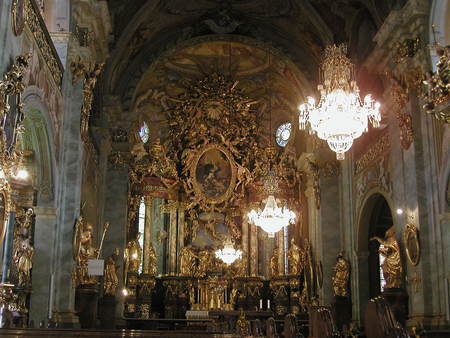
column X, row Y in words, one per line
column 144, row 132
column 283, row 134
column 141, row 226
column 382, row 280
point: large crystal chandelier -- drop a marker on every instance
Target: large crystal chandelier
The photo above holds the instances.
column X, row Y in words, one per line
column 340, row 116
column 273, row 217
column 228, row 254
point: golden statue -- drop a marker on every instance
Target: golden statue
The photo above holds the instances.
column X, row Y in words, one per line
column 111, row 281
column 242, row 324
column 294, row 258
column 132, row 256
column 204, row 261
column 392, row 265
column 187, row 261
column 83, row 250
column 341, row 276
column 24, row 262
column 274, row 263
column 152, row 260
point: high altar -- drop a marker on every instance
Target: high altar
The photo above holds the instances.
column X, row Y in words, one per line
column 192, row 193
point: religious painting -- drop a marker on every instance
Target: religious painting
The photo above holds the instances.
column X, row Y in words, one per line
column 412, row 243
column 214, row 174
column 18, row 16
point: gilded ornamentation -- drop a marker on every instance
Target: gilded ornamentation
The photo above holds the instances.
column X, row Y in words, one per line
column 392, row 265
column 295, row 258
column 23, row 251
column 412, row 242
column 407, row 48
column 151, row 257
column 373, row 153
column 37, row 27
column 274, row 270
column 341, row 276
column 187, row 261
column 132, row 256
column 110, row 279
column 437, row 86
column 242, row 325
column 400, row 95
column 83, row 250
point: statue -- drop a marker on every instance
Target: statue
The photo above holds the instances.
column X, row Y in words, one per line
column 204, row 260
column 132, row 256
column 294, row 258
column 111, row 281
column 24, row 261
column 187, row 261
column 274, row 263
column 392, row 265
column 152, row 260
column 83, row 250
column 341, row 276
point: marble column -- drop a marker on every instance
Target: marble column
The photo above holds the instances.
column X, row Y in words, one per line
column 253, row 259
column 115, row 212
column 41, row 304
column 147, row 232
column 245, row 240
column 8, row 244
column 172, row 239
column 181, row 234
column 69, row 202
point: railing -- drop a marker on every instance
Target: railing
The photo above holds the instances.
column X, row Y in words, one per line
column 40, row 33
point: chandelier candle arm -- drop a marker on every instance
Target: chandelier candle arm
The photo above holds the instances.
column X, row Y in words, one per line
column 339, row 117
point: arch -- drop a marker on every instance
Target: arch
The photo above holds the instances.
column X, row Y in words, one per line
column 38, row 138
column 440, row 19
column 372, row 204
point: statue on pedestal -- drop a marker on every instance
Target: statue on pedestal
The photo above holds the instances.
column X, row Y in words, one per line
column 83, row 250
column 152, row 260
column 111, row 281
column 23, row 251
column 392, row 265
column 341, row 276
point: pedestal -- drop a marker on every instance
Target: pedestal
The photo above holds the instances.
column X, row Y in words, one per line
column 107, row 312
column 342, row 308
column 398, row 301
column 86, row 298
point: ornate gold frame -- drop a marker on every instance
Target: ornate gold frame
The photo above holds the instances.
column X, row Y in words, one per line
column 412, row 243
column 196, row 184
column 4, row 194
column 17, row 26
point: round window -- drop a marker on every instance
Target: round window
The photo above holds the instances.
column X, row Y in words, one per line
column 283, row 134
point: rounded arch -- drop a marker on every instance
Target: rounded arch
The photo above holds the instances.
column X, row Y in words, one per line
column 374, row 206
column 440, row 19
column 37, row 138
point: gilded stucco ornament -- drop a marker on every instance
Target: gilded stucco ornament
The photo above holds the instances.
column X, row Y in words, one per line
column 412, row 242
column 341, row 276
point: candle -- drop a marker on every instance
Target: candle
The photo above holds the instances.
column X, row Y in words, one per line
column 198, row 294
column 268, row 304
column 52, row 291
column 260, row 303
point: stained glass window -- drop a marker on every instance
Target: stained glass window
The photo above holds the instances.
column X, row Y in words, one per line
column 144, row 132
column 283, row 134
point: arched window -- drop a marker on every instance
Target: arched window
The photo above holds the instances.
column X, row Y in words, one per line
column 144, row 133
column 283, row 134
column 141, row 226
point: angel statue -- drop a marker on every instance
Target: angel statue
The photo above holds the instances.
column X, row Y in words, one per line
column 84, row 250
column 392, row 265
column 341, row 276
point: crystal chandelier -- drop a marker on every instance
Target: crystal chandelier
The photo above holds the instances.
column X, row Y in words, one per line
column 228, row 254
column 272, row 218
column 340, row 116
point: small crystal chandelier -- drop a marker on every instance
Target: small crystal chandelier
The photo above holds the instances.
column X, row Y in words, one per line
column 228, row 254
column 272, row 218
column 340, row 116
